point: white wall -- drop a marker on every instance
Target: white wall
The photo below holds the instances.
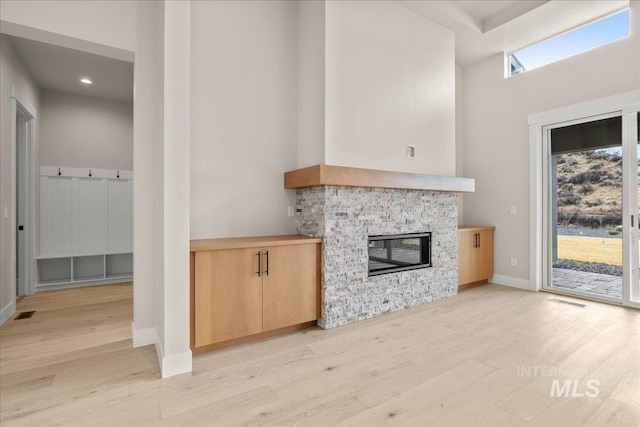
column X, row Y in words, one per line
column 460, row 137
column 147, row 184
column 243, row 117
column 496, row 133
column 176, row 147
column 390, row 81
column 12, row 72
column 82, row 131
column 311, row 84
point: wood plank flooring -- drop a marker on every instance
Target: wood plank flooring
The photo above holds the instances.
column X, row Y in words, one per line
column 460, row 361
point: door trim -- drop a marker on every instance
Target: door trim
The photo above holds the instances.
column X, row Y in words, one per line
column 20, row 105
column 621, row 103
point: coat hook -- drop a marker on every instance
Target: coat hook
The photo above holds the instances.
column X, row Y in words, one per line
column 89, row 173
column 118, row 174
column 59, row 173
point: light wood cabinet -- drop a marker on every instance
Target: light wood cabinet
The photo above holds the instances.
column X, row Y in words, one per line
column 228, row 295
column 290, row 287
column 475, row 254
column 250, row 288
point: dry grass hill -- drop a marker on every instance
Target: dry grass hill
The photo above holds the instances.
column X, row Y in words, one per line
column 589, row 187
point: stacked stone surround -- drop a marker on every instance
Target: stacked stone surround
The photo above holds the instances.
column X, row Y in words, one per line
column 346, row 216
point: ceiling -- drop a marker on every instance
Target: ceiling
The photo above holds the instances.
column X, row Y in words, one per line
column 60, row 68
column 488, row 27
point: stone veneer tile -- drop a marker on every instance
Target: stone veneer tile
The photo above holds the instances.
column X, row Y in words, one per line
column 346, row 216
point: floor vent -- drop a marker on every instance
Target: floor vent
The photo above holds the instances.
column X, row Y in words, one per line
column 25, row 315
column 566, row 302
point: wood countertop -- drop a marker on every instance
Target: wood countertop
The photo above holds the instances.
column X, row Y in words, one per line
column 321, row 175
column 250, row 242
column 475, row 227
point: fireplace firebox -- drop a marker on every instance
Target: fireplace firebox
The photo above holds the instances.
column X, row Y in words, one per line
column 399, row 252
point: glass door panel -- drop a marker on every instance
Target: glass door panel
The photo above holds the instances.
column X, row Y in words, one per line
column 585, row 209
column 632, row 295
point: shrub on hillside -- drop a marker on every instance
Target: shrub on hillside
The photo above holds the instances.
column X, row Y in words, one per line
column 586, row 189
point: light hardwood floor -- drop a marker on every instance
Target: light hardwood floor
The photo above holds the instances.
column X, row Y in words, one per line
column 451, row 362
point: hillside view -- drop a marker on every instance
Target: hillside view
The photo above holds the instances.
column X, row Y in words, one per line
column 590, row 189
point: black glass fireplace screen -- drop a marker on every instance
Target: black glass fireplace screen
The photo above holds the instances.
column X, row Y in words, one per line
column 400, row 252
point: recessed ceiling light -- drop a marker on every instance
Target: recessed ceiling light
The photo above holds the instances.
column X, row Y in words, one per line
column 86, row 81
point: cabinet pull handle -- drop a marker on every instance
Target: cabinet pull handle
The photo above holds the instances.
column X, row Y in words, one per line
column 478, row 239
column 259, row 267
column 267, row 270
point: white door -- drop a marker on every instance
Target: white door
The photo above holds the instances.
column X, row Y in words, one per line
column 23, row 204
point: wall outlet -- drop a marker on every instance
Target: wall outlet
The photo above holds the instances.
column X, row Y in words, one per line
column 514, row 262
column 513, row 210
column 411, row 151
column 6, row 212
column 290, row 211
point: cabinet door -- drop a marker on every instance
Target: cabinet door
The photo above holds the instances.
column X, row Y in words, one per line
column 120, row 214
column 466, row 257
column 56, row 208
column 90, row 215
column 290, row 288
column 484, row 255
column 228, row 295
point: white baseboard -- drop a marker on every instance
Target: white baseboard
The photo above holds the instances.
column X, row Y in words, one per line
column 512, row 282
column 159, row 350
column 175, row 364
column 142, row 337
column 7, row 311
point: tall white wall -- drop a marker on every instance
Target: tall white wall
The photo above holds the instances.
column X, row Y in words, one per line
column 390, row 81
column 311, row 82
column 460, row 137
column 12, row 72
column 147, row 238
column 496, row 133
column 176, row 147
column 82, row 131
column 243, row 117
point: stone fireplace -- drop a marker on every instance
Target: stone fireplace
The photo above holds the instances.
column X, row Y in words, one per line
column 347, row 215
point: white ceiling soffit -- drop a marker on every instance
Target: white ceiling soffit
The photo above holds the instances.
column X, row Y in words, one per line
column 59, row 68
column 487, row 27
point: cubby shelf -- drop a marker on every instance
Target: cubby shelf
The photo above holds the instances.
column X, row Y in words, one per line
column 57, row 271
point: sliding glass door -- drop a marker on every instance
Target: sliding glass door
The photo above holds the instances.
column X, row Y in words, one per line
column 590, row 220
